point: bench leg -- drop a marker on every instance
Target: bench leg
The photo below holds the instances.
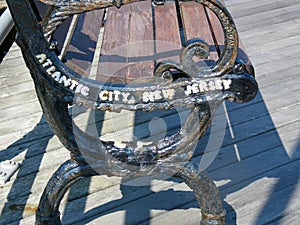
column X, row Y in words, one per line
column 68, row 173
column 71, row 171
column 206, row 192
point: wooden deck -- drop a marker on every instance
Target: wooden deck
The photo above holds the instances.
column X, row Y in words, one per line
column 257, row 168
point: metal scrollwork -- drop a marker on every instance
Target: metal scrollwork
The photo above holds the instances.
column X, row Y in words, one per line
column 186, row 83
column 187, row 66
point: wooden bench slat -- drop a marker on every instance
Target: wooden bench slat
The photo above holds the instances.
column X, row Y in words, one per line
column 196, row 25
column 80, row 52
column 167, row 33
column 128, row 52
column 140, row 50
column 113, row 60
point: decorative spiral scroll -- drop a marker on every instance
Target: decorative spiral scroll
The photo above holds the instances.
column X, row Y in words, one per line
column 187, row 67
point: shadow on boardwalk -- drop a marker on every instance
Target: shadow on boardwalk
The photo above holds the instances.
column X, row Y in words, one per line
column 261, row 154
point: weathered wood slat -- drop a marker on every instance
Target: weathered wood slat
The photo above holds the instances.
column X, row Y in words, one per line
column 167, row 34
column 249, row 8
column 265, row 17
column 113, row 60
column 11, row 101
column 17, row 89
column 140, row 49
column 80, row 52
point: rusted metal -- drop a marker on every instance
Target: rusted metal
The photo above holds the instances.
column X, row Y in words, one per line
column 185, row 84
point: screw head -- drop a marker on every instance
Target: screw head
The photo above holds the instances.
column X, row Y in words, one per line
column 2, row 174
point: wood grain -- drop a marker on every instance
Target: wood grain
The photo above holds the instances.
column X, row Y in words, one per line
column 167, row 33
column 80, row 52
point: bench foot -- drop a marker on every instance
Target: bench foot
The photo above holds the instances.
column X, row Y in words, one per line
column 68, row 173
column 72, row 171
column 207, row 194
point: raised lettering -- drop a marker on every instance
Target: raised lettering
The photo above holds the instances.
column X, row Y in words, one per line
column 85, row 91
column 66, row 81
column 125, row 96
column 188, row 90
column 47, row 63
column 226, row 84
column 104, row 95
column 117, row 94
column 168, row 93
column 211, row 85
column 203, row 86
column 148, row 96
column 157, row 95
column 218, row 84
column 74, row 84
column 195, row 88
column 41, row 58
column 56, row 75
column 51, row 69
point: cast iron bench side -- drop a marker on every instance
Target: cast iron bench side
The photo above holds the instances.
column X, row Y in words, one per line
column 44, row 64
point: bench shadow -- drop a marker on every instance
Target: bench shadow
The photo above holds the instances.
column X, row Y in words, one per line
column 258, row 144
column 236, row 163
column 35, row 147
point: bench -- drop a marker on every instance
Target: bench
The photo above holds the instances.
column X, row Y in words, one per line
column 138, row 56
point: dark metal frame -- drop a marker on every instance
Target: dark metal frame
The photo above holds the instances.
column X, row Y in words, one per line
column 57, row 86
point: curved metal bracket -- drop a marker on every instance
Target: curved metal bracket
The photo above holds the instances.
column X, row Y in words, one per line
column 71, row 171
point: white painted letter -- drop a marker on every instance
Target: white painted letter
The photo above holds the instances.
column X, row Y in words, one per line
column 169, row 93
column 117, row 93
column 188, row 90
column 63, row 79
column 104, row 95
column 50, row 70
column 47, row 63
column 226, row 84
column 125, row 96
column 41, row 58
column 56, row 76
column 85, row 91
